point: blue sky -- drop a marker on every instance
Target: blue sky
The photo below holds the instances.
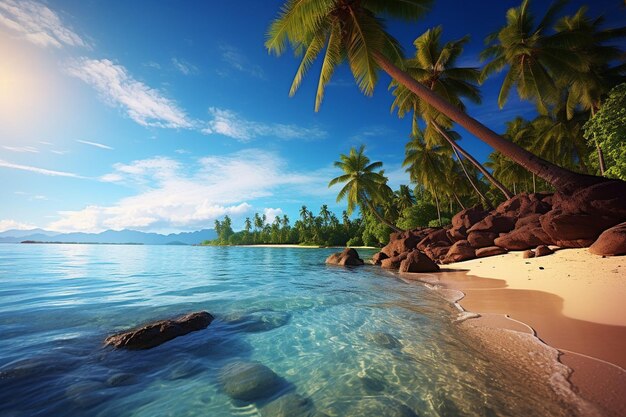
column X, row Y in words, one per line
column 151, row 115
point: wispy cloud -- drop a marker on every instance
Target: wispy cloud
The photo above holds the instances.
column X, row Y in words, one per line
column 9, row 224
column 21, row 149
column 143, row 104
column 171, row 194
column 37, row 24
column 184, row 67
column 43, row 171
column 228, row 123
column 239, row 62
column 95, row 144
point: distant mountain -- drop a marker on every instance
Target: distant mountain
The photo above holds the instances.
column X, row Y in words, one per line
column 110, row 236
column 22, row 233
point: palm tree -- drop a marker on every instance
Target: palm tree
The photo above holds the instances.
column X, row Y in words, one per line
column 353, row 31
column 434, row 66
column 428, row 165
column 325, row 214
column 586, row 89
column 403, row 198
column 363, row 185
column 303, row 213
column 247, row 225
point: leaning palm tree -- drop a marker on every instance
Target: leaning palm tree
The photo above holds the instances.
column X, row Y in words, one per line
column 353, row 31
column 364, row 186
column 428, row 165
column 434, row 65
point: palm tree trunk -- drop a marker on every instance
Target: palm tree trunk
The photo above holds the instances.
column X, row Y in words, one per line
column 598, row 148
column 458, row 200
column 438, row 211
column 562, row 179
column 370, row 205
column 534, row 184
column 487, row 174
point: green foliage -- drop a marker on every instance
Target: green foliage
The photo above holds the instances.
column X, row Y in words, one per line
column 419, row 215
column 608, row 129
column 436, row 223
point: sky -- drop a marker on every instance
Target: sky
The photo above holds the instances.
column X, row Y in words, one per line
column 164, row 116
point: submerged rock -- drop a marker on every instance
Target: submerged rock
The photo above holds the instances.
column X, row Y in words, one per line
column 379, row 257
column 249, row 381
column 259, row 321
column 348, row 257
column 611, row 242
column 154, row 334
column 289, row 405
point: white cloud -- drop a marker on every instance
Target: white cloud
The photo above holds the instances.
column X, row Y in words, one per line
column 184, row 67
column 238, row 61
column 37, row 24
column 9, row 224
column 29, row 149
column 228, row 123
column 43, row 171
column 117, row 87
column 271, row 213
column 171, row 195
column 95, row 144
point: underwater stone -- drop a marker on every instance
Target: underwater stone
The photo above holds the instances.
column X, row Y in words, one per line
column 380, row 406
column 259, row 321
column 289, row 405
column 248, row 381
column 384, row 340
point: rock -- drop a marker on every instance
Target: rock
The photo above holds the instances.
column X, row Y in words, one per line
column 258, row 321
column 154, row 334
column 384, row 340
column 288, row 405
column 436, row 253
column 348, row 257
column 379, row 257
column 248, row 381
column 494, row 223
column 543, row 250
column 480, row 239
column 602, row 199
column 525, row 237
column 574, row 230
column 394, row 262
column 490, row 251
column 403, row 242
column 532, row 219
column 460, row 251
column 416, row 261
column 611, row 242
column 464, row 220
column 528, row 254
column 438, row 237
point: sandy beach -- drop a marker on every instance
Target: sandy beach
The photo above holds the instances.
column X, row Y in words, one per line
column 571, row 300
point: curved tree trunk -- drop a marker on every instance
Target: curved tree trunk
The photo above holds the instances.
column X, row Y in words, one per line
column 370, row 205
column 438, row 210
column 562, row 179
column 458, row 200
column 481, row 168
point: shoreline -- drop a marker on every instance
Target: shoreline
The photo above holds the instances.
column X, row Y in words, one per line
column 571, row 301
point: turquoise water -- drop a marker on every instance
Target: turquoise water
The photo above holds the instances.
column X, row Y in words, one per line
column 354, row 342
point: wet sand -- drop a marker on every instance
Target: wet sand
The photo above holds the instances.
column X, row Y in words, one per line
column 576, row 303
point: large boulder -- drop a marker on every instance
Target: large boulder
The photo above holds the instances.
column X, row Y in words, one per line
column 481, row 239
column 524, row 204
column 495, row 223
column 604, row 199
column 463, row 220
column 526, row 237
column 490, row 251
column 611, row 242
column 574, row 230
column 394, row 262
column 416, row 261
column 460, row 251
column 348, row 257
column 159, row 332
column 436, row 252
column 249, row 381
column 405, row 241
column 379, row 257
column 438, row 237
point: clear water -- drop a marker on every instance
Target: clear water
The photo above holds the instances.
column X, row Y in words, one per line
column 352, row 341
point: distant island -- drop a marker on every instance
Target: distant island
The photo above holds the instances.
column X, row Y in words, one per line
column 118, row 237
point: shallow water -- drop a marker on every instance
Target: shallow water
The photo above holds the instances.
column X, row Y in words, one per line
column 348, row 341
